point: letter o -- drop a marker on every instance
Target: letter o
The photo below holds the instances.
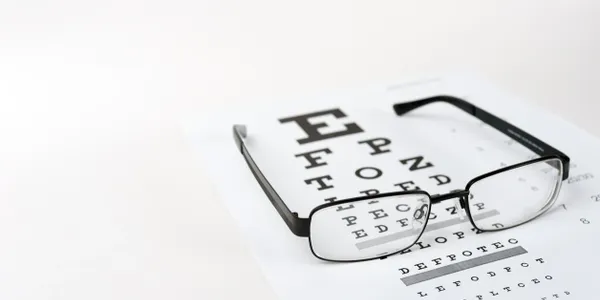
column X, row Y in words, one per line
column 464, row 253
column 513, row 241
column 548, row 277
column 402, row 205
column 474, row 278
column 521, row 284
column 359, row 172
column 524, row 265
column 440, row 239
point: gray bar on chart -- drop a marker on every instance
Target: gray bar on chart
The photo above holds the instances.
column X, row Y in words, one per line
column 461, row 266
column 430, row 227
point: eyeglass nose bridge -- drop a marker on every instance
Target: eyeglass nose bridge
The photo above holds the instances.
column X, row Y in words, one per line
column 460, row 194
column 459, row 197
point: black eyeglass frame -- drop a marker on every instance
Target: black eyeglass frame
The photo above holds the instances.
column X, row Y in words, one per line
column 301, row 226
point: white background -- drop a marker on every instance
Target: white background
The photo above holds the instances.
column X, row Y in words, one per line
column 99, row 195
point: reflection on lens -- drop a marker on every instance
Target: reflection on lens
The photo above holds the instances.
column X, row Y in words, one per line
column 517, row 195
column 368, row 228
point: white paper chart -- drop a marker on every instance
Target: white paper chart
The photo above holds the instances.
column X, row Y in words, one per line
column 363, row 148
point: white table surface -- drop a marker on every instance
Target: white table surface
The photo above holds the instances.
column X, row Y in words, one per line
column 99, row 196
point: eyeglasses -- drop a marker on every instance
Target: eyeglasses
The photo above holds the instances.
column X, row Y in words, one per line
column 400, row 218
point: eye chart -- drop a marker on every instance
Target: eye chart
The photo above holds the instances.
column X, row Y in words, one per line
column 352, row 144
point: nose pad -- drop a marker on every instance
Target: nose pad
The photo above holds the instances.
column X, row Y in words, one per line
column 420, row 217
column 459, row 209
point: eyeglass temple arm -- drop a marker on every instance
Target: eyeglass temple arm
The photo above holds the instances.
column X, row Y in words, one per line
column 299, row 226
column 522, row 137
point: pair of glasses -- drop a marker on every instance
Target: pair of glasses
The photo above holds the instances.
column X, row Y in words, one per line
column 397, row 220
